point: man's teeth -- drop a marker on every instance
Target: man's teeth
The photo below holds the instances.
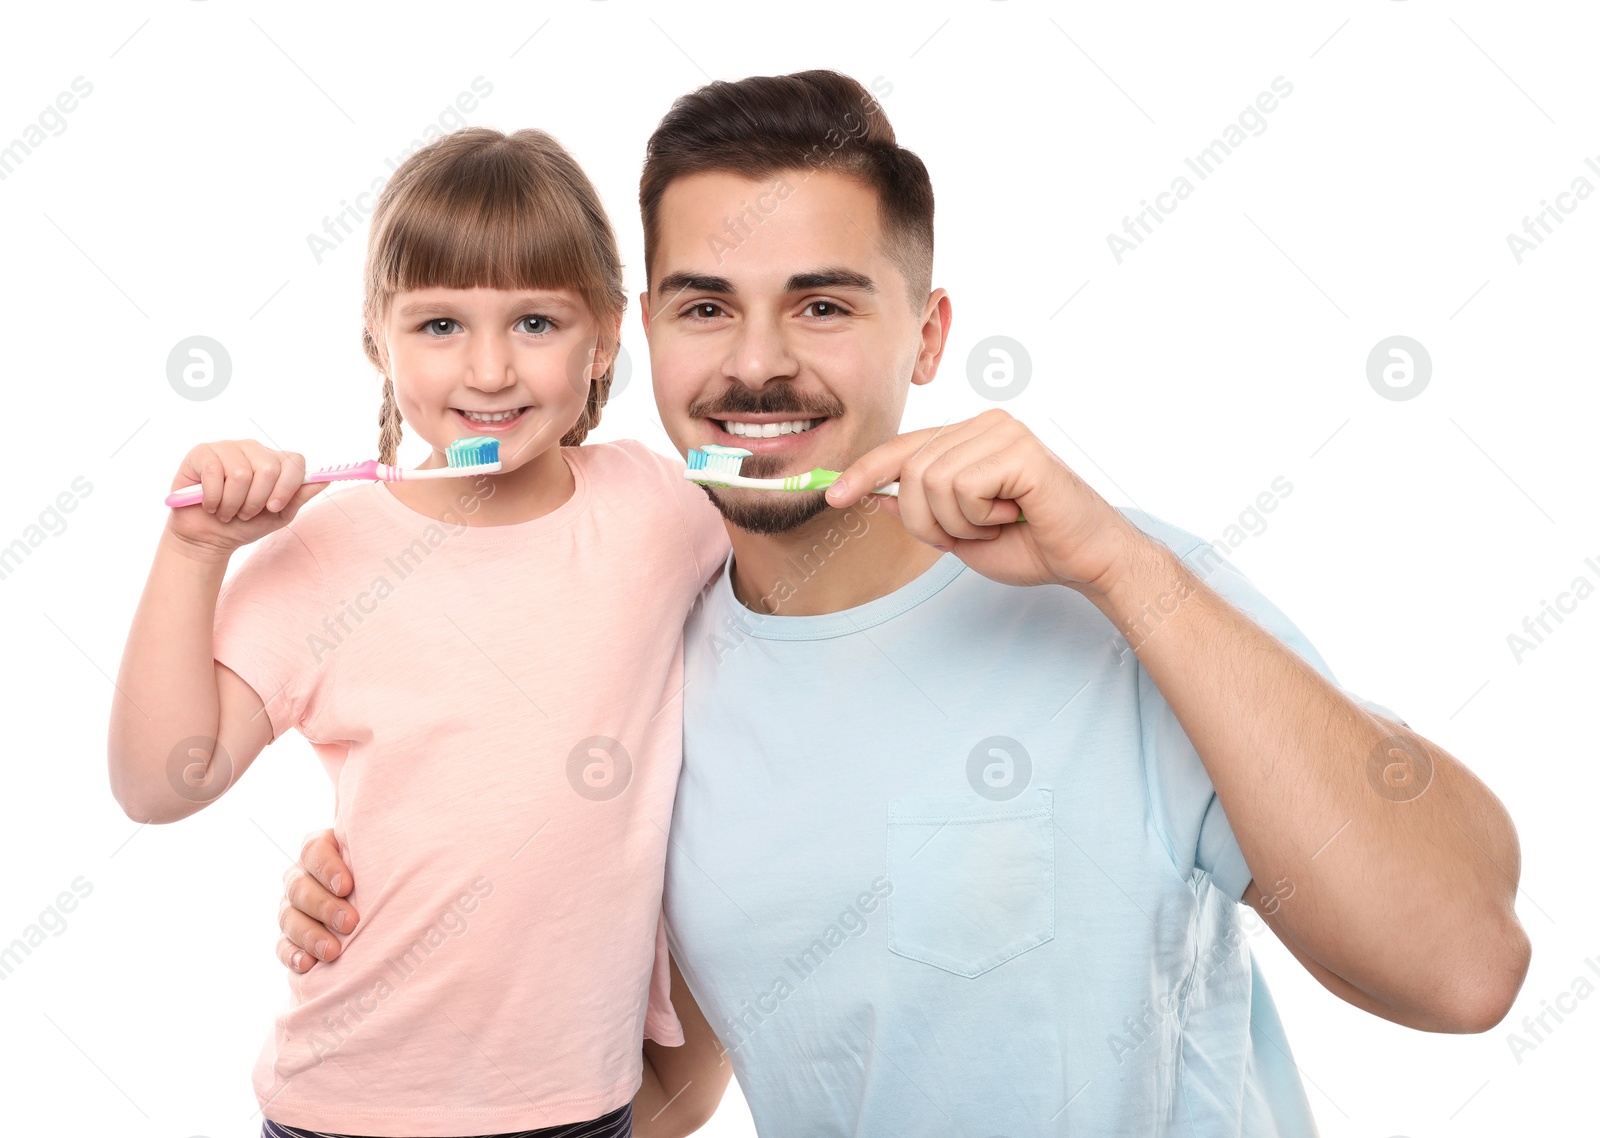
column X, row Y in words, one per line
column 495, row 417
column 768, row 430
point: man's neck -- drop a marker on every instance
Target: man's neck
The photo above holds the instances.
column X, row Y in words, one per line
column 838, row 560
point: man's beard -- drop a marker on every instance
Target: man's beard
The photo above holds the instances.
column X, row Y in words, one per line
column 772, row 512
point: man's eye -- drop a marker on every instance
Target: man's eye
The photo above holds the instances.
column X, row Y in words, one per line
column 440, row 327
column 536, row 325
column 705, row 310
column 824, row 308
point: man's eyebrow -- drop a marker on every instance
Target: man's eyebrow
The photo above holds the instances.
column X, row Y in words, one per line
column 830, row 278
column 694, row 282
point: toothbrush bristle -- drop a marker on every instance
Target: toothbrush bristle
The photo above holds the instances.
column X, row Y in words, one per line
column 476, row 450
column 724, row 460
column 715, row 460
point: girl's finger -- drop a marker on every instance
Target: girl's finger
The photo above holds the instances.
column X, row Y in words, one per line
column 266, row 466
column 291, row 469
column 237, row 473
column 208, row 470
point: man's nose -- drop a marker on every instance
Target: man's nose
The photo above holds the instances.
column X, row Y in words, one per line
column 760, row 352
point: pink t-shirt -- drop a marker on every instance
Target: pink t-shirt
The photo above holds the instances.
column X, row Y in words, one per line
column 499, row 708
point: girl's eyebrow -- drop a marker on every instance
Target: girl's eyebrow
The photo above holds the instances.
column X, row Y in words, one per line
column 415, row 308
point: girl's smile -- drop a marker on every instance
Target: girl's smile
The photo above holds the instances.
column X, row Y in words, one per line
column 493, row 422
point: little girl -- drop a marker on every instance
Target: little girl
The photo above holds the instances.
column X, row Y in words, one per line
column 488, row 669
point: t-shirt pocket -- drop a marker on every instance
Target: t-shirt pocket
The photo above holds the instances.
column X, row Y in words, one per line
column 973, row 880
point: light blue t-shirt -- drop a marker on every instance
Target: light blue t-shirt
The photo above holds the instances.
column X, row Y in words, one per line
column 947, row 864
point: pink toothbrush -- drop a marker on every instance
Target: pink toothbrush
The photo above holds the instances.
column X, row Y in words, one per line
column 474, row 455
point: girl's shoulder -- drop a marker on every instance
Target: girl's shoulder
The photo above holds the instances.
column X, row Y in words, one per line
column 622, row 461
column 627, row 469
column 327, row 528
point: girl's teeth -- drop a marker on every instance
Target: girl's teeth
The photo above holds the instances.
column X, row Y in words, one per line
column 497, row 417
column 769, row 430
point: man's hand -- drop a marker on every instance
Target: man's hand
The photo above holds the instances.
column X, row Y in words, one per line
column 311, row 913
column 963, row 485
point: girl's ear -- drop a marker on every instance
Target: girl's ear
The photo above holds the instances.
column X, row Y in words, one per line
column 602, row 360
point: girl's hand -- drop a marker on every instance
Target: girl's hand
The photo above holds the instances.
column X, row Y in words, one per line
column 249, row 492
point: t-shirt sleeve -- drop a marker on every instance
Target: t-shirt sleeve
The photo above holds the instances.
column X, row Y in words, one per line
column 703, row 526
column 708, row 536
column 1186, row 803
column 661, row 1019
column 270, row 630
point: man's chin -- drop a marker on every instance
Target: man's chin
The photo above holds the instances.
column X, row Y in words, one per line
column 767, row 511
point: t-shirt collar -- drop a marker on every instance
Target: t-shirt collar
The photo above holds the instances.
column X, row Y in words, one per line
column 824, row 626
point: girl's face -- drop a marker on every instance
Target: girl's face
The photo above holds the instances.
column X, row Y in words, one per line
column 512, row 365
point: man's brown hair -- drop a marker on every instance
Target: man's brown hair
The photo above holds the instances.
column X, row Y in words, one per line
column 809, row 121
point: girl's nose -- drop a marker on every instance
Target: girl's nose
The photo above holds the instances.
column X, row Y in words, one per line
column 489, row 365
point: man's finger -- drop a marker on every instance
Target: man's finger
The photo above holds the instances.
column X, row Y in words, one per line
column 879, row 466
column 308, row 896
column 307, row 934
column 320, row 857
column 293, row 958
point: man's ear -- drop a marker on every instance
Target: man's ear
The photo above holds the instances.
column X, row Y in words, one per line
column 644, row 311
column 935, row 333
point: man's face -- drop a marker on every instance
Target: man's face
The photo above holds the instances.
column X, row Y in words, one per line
column 778, row 323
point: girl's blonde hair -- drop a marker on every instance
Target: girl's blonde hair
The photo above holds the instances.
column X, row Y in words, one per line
column 481, row 209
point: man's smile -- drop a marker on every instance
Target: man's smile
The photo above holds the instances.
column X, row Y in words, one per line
column 783, row 434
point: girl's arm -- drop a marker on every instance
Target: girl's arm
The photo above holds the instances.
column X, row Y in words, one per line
column 183, row 727
column 682, row 1085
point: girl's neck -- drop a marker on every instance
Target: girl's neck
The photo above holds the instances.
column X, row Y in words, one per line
column 534, row 489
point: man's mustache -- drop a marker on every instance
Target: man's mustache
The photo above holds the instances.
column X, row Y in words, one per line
column 775, row 399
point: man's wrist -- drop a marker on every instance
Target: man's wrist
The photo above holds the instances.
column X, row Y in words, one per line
column 1144, row 586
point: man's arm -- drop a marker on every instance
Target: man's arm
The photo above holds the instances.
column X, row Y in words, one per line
column 1402, row 892
column 1403, row 895
column 681, row 1087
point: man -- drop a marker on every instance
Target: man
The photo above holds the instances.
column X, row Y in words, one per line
column 974, row 778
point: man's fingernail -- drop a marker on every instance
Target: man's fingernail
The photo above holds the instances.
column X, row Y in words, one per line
column 337, row 881
column 324, row 948
column 338, row 921
column 298, row 960
column 837, row 491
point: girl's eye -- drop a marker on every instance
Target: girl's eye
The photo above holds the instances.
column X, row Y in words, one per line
column 535, row 325
column 433, row 326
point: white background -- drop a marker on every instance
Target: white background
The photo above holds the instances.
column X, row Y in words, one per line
column 1227, row 350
